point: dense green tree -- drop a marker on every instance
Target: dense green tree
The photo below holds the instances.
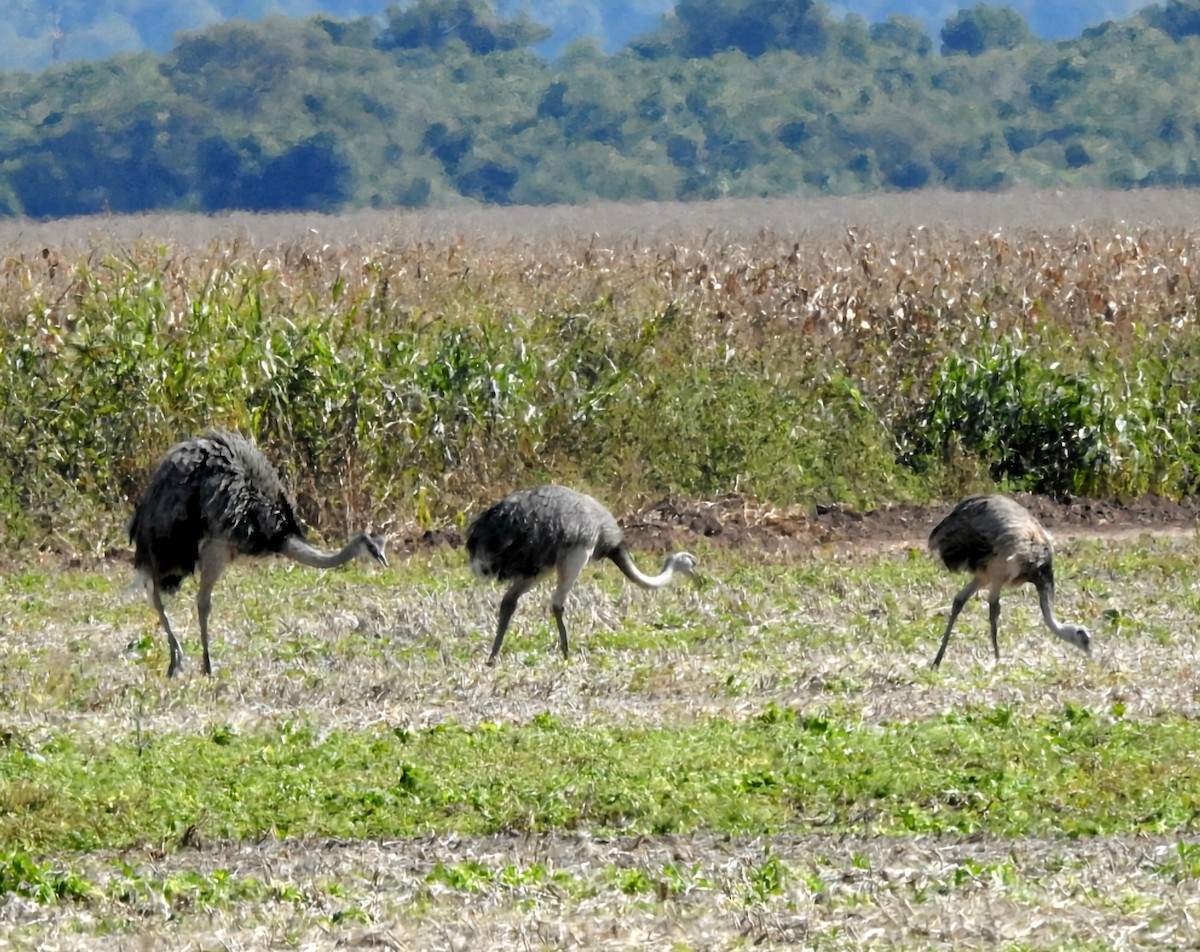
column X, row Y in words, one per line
column 903, row 34
column 317, row 114
column 1177, row 18
column 359, row 33
column 219, row 171
column 983, row 28
column 236, row 67
column 91, row 168
column 488, row 181
column 433, row 23
column 310, row 176
column 703, row 28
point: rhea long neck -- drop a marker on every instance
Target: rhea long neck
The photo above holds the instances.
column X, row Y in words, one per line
column 1046, row 600
column 300, row 551
column 625, row 563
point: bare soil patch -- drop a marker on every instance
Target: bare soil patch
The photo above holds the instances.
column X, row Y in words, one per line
column 736, row 521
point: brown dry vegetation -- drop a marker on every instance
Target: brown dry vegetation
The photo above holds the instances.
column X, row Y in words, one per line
column 844, row 268
column 832, row 308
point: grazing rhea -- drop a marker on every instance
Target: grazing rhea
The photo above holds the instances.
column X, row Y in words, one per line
column 212, row 498
column 525, row 535
column 1001, row 544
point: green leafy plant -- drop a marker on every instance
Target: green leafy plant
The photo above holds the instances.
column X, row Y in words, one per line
column 21, row 876
column 1035, row 427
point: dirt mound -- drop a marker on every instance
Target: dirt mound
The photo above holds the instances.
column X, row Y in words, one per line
column 735, row 521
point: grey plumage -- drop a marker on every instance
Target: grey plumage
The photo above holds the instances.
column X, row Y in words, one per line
column 212, row 498
column 524, row 536
column 1000, row 543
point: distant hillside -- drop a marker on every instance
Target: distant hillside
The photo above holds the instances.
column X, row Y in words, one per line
column 446, row 103
column 35, row 34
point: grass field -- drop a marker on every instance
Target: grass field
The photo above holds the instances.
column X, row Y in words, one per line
column 765, row 761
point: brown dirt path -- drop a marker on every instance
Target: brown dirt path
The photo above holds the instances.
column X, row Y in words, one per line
column 735, row 521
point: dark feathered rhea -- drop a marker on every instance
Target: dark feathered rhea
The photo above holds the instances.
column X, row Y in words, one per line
column 213, row 486
column 1001, row 544
column 526, row 535
column 212, row 498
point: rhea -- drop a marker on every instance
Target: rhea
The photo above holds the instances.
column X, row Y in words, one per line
column 1002, row 545
column 212, row 498
column 530, row 533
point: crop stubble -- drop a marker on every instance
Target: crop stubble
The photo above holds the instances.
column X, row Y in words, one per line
column 584, row 890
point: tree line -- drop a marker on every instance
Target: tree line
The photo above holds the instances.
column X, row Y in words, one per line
column 444, row 101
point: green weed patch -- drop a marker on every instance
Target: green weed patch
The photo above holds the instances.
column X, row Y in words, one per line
column 990, row 771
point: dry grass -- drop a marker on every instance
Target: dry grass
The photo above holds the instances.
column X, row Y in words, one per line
column 847, row 270
column 841, row 634
column 826, row 265
column 838, row 893
column 741, row 219
column 358, row 649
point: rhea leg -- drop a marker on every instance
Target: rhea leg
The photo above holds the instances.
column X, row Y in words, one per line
column 569, row 567
column 955, row 607
column 213, row 559
column 172, row 642
column 508, row 605
column 994, row 619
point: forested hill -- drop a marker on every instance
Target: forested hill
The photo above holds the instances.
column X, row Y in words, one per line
column 38, row 33
column 443, row 102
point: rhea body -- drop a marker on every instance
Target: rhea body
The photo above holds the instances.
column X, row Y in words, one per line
column 529, row 534
column 1001, row 544
column 213, row 498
